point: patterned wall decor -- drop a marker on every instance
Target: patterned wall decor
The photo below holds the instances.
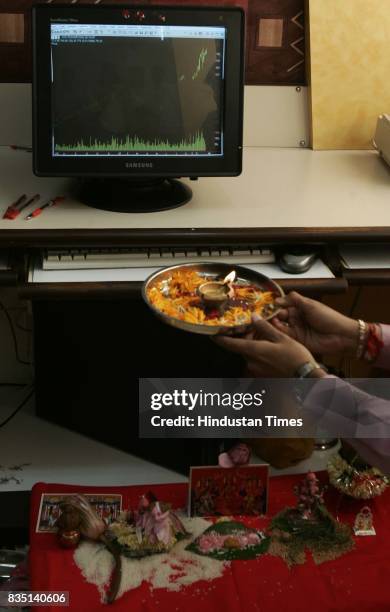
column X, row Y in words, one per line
column 15, row 37
column 274, row 46
column 275, row 42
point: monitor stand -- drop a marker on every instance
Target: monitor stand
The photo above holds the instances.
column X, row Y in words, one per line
column 134, row 195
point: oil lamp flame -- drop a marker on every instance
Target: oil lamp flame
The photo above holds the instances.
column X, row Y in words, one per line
column 229, row 278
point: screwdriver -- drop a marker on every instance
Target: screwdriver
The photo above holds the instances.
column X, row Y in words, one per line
column 48, row 204
column 14, row 211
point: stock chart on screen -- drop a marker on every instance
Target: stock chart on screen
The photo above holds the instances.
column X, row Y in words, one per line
column 137, row 90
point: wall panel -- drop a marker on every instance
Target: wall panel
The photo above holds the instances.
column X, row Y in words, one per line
column 275, row 41
column 349, row 71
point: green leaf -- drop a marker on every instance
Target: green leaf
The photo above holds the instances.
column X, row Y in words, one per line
column 233, row 554
column 230, row 554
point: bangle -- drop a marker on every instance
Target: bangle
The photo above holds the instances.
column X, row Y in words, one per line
column 306, row 368
column 361, row 339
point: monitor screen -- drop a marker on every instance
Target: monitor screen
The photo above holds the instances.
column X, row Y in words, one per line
column 137, row 90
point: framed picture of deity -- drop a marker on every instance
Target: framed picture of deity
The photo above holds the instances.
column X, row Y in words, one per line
column 236, row 491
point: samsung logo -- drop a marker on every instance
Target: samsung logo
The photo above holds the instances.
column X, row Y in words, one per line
column 139, row 165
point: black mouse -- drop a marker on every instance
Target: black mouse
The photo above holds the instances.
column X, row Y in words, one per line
column 297, row 263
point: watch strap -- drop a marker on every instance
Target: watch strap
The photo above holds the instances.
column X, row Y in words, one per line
column 306, row 368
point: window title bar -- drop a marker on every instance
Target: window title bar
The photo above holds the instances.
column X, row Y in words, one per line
column 80, row 30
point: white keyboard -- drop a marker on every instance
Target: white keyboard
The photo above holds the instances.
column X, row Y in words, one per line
column 81, row 259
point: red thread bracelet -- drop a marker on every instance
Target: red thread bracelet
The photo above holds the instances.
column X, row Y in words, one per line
column 374, row 342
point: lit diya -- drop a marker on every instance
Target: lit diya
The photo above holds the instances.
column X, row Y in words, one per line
column 215, row 294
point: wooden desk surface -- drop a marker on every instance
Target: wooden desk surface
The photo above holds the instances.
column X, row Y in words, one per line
column 282, row 194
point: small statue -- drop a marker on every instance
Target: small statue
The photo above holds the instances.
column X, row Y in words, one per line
column 239, row 454
column 364, row 523
column 310, row 495
column 68, row 524
column 156, row 523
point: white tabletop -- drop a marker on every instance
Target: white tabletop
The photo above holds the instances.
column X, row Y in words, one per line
column 286, row 188
column 50, row 453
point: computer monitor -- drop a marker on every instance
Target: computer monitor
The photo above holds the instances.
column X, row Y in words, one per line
column 129, row 99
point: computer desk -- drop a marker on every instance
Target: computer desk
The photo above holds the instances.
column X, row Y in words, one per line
column 283, row 196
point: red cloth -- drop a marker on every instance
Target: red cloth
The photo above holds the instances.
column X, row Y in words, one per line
column 356, row 582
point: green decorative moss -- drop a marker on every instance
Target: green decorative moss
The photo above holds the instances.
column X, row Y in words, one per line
column 322, row 535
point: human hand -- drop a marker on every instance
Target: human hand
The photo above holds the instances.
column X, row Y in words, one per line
column 315, row 325
column 268, row 349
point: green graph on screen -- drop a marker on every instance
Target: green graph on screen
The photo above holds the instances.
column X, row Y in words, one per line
column 201, row 62
column 115, row 145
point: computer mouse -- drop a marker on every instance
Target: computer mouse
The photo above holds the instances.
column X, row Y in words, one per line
column 296, row 263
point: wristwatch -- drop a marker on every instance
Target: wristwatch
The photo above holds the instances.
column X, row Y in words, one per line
column 306, row 368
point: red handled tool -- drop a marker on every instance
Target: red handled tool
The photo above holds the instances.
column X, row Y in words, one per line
column 16, row 208
column 48, row 204
column 13, row 207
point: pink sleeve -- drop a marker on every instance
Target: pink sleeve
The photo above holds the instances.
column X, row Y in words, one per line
column 350, row 413
column 383, row 360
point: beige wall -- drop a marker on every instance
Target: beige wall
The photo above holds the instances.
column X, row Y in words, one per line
column 349, row 70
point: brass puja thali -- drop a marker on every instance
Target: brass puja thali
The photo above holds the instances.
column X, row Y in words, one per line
column 211, row 298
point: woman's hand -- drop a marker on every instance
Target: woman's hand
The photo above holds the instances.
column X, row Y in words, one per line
column 320, row 328
column 268, row 349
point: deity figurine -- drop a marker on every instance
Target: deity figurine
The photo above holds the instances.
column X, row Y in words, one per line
column 155, row 522
column 310, row 495
column 364, row 523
